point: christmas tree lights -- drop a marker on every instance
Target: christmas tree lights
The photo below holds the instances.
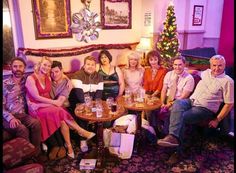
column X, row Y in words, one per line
column 168, row 44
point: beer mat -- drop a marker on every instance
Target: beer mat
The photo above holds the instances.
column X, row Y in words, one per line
column 139, row 105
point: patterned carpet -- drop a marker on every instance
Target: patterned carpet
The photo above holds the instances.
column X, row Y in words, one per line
column 217, row 156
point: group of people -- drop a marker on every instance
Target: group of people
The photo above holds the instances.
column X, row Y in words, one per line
column 51, row 97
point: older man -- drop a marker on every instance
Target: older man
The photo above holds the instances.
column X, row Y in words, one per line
column 214, row 88
column 15, row 119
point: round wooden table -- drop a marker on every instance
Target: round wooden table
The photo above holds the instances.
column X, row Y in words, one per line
column 147, row 105
column 107, row 115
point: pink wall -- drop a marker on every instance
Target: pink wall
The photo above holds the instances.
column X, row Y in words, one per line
column 226, row 44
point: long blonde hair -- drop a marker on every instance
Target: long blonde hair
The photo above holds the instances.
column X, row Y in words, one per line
column 37, row 66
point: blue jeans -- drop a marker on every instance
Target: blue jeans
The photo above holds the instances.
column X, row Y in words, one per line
column 183, row 113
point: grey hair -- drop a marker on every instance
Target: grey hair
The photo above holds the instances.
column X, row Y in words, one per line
column 217, row 57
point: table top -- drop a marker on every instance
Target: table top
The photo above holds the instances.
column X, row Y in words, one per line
column 107, row 115
column 151, row 104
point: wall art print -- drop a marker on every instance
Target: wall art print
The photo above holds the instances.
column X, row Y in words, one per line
column 52, row 18
column 116, row 14
column 197, row 15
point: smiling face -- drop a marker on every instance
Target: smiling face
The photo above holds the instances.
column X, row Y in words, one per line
column 90, row 66
column 133, row 62
column 217, row 66
column 45, row 66
column 178, row 66
column 56, row 74
column 18, row 68
column 153, row 61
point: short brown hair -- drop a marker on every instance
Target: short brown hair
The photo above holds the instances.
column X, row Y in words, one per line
column 154, row 53
column 90, row 58
column 18, row 59
column 180, row 57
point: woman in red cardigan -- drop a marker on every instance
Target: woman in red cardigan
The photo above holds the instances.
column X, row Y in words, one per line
column 153, row 75
column 153, row 82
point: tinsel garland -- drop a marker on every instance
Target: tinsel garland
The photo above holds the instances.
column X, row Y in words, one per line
column 72, row 51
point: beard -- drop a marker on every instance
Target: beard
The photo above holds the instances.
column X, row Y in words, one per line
column 18, row 73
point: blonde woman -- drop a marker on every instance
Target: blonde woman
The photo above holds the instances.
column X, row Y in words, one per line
column 133, row 72
column 49, row 112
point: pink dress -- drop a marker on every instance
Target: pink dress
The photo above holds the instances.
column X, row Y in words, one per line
column 51, row 116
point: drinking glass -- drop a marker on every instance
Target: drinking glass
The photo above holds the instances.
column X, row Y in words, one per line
column 99, row 108
column 128, row 94
column 109, row 101
column 113, row 107
column 88, row 100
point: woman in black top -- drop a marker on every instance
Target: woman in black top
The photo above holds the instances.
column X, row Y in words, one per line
column 112, row 76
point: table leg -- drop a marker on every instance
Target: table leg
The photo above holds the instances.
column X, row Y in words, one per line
column 138, row 132
column 100, row 144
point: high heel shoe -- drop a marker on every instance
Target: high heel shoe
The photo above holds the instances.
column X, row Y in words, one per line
column 44, row 147
column 71, row 155
column 91, row 135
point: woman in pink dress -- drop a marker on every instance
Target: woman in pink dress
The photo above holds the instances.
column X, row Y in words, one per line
column 50, row 114
column 133, row 72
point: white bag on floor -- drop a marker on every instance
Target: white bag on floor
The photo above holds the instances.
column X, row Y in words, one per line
column 127, row 120
column 106, row 137
column 124, row 151
column 126, row 146
column 121, row 144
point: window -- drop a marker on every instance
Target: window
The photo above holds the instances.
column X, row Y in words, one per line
column 8, row 44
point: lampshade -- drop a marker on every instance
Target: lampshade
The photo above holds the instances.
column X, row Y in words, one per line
column 145, row 44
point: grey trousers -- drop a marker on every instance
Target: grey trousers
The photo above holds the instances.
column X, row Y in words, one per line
column 29, row 129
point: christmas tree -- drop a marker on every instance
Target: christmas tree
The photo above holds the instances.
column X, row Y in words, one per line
column 168, row 44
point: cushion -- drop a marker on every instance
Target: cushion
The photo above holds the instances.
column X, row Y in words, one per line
column 30, row 168
column 6, row 136
column 75, row 62
column 16, row 151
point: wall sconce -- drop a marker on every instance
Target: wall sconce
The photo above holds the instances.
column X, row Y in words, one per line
column 144, row 45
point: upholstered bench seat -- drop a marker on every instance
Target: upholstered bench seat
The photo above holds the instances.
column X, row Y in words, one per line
column 30, row 168
column 16, row 152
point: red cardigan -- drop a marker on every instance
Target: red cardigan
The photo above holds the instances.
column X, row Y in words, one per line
column 155, row 84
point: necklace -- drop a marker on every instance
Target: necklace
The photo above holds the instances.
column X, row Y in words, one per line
column 154, row 72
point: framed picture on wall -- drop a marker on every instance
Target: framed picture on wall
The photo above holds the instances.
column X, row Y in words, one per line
column 197, row 15
column 52, row 18
column 116, row 14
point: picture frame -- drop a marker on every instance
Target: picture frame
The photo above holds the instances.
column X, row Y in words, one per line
column 52, row 19
column 197, row 15
column 116, row 14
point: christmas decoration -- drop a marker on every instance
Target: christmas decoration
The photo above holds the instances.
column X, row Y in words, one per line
column 71, row 51
column 86, row 24
column 168, row 44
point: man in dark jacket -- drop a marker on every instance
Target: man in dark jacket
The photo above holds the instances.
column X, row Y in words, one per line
column 85, row 81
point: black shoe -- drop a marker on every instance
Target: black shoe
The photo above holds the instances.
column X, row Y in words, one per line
column 41, row 158
column 174, row 158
